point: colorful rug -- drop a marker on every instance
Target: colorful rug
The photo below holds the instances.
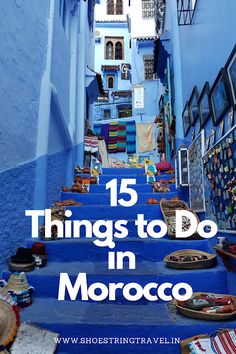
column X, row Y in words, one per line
column 105, row 133
column 225, row 343
column 121, row 138
column 113, row 134
column 131, row 137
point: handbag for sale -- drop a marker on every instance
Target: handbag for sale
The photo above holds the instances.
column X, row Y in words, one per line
column 163, row 166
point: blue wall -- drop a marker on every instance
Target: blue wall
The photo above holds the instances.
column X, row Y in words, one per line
column 206, row 45
column 23, row 32
column 38, row 155
column 112, row 105
column 213, row 32
column 199, row 50
column 152, row 88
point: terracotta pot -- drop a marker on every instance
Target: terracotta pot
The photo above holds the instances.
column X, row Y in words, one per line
column 78, row 179
column 86, row 181
column 76, row 188
column 86, row 171
column 152, row 201
column 93, row 180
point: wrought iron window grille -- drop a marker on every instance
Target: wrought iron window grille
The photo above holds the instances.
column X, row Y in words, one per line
column 186, row 10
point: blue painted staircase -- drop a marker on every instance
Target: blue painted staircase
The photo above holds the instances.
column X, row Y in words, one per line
column 120, row 319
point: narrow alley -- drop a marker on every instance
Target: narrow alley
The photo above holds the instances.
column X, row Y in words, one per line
column 117, row 117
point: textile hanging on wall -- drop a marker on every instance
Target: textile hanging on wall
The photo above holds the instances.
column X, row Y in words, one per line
column 90, row 144
column 131, row 137
column 121, row 139
column 97, row 128
column 103, row 153
column 113, row 133
column 146, row 137
column 105, row 133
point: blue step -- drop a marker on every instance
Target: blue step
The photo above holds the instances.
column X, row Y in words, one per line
column 122, row 171
column 140, row 188
column 146, row 250
column 121, row 319
column 145, row 272
column 104, row 198
column 90, row 320
column 115, row 213
column 139, row 179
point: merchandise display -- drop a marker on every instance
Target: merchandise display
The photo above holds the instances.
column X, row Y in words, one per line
column 226, row 250
column 190, row 259
column 146, row 137
column 19, row 289
column 22, row 261
column 152, row 201
column 196, row 188
column 9, row 319
column 57, row 213
column 207, row 306
column 150, row 170
column 31, row 339
column 40, row 255
column 220, row 182
column 118, row 177
column 222, row 341
column 157, row 187
column 168, row 208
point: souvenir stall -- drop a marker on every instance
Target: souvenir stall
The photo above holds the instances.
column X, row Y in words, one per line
column 166, row 113
column 210, row 132
column 128, row 142
column 208, row 119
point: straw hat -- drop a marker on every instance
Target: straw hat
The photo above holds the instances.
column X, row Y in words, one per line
column 9, row 321
column 5, row 296
column 18, row 284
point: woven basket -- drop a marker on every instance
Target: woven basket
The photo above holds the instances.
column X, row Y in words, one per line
column 168, row 209
column 206, row 316
column 184, row 343
column 9, row 323
column 210, row 262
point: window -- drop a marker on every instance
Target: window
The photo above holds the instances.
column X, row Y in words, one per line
column 119, row 7
column 109, row 50
column 186, row 10
column 115, row 7
column 148, row 68
column 148, row 8
column 118, row 51
column 107, row 114
column 110, row 7
column 114, row 48
column 124, row 112
column 110, row 82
